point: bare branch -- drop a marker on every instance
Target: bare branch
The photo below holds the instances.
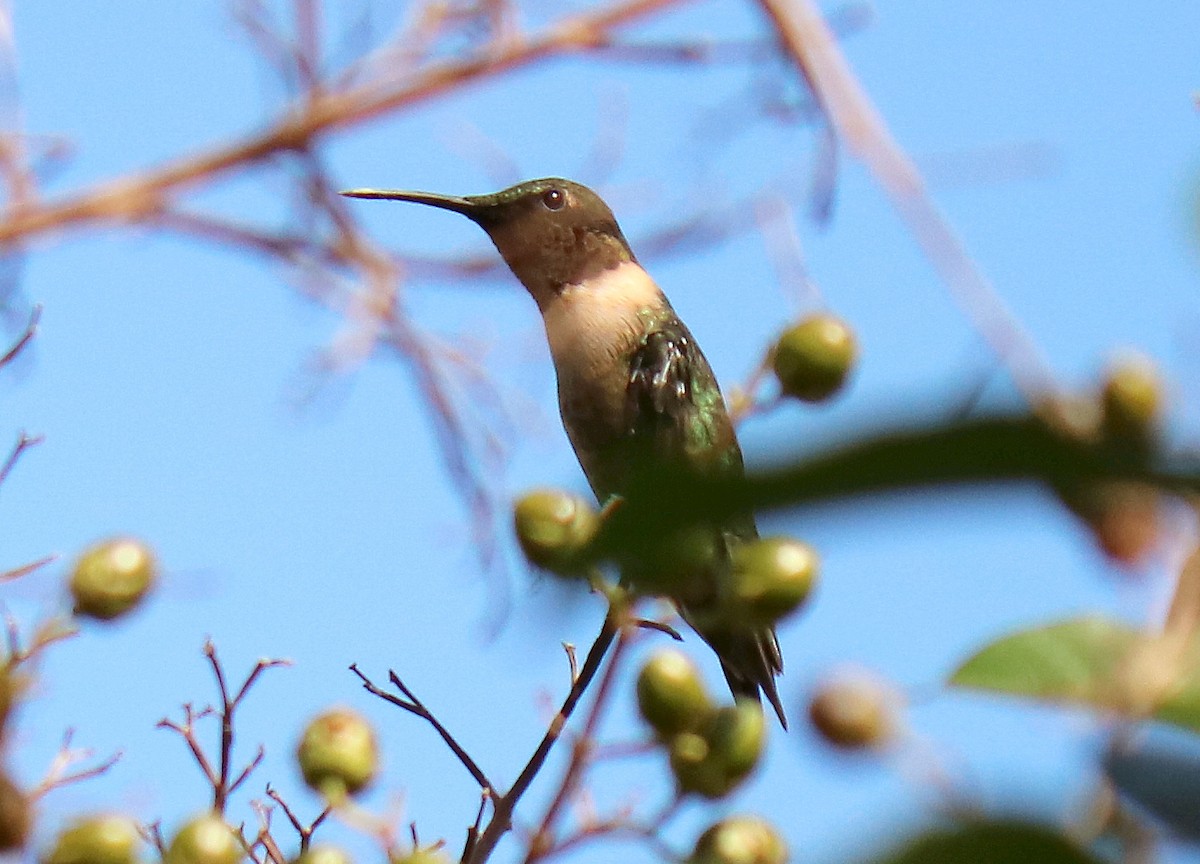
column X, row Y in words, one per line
column 501, row 820
column 581, row 753
column 218, row 776
column 141, row 197
column 810, row 43
column 305, row 832
column 249, row 769
column 26, row 569
column 414, row 706
column 44, row 635
column 657, row 627
column 26, row 337
column 572, row 661
column 187, row 731
column 24, row 442
column 59, row 773
column 152, row 834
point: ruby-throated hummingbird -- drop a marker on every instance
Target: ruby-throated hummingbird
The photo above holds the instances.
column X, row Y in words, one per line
column 633, row 384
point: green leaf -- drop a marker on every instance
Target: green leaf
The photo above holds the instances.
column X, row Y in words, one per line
column 1078, row 661
column 990, row 843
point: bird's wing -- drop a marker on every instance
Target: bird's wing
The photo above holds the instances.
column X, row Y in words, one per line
column 674, row 411
column 675, row 415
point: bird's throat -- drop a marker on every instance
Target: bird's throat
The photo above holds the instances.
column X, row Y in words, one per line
column 595, row 324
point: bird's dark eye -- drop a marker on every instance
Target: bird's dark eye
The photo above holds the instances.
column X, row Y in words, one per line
column 554, row 199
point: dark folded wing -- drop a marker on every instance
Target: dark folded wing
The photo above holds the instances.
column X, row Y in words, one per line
column 676, row 418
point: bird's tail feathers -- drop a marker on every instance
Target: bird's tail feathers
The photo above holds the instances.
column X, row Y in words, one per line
column 750, row 660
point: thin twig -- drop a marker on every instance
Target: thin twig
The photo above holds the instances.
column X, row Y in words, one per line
column 572, row 661
column 153, row 836
column 24, row 442
column 26, row 337
column 26, row 569
column 658, row 627
column 648, row 832
column 222, row 789
column 501, row 820
column 265, row 839
column 415, row 706
column 59, row 775
column 218, row 776
column 187, row 731
column 473, row 831
column 139, row 197
column 305, row 832
column 810, row 43
column 581, row 752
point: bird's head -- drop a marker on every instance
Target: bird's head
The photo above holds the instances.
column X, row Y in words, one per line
column 551, row 232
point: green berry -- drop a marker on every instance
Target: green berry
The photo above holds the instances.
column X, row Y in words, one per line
column 853, row 713
column 553, row 528
column 1132, row 398
column 112, row 577
column 812, row 359
column 713, row 761
column 108, row 839
column 696, row 773
column 736, row 736
column 740, row 840
column 771, row 577
column 323, row 854
column 671, row 696
column 338, row 753
column 205, row 840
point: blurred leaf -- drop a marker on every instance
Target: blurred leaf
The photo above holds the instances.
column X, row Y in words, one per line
column 983, row 451
column 1163, row 776
column 1078, row 661
column 990, row 843
column 1071, row 661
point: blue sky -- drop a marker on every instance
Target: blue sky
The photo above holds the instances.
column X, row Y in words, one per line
column 167, row 381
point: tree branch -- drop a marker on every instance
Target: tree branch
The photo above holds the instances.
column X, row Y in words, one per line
column 415, row 706
column 140, row 196
column 811, row 44
column 501, row 820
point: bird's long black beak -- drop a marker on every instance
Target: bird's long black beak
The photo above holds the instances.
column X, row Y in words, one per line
column 465, row 206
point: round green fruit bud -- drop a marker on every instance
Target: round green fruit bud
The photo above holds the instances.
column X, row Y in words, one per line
column 671, row 696
column 108, row 839
column 324, row 854
column 205, row 840
column 853, row 713
column 740, row 840
column 736, row 736
column 553, row 528
column 770, row 578
column 16, row 816
column 696, row 772
column 112, row 577
column 338, row 753
column 1132, row 398
column 813, row 358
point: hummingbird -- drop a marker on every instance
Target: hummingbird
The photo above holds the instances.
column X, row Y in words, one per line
column 634, row 388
